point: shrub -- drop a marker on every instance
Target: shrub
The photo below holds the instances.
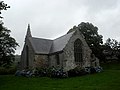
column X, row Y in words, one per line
column 83, row 71
column 50, row 72
column 93, row 69
column 76, row 72
column 42, row 72
column 6, row 71
column 58, row 72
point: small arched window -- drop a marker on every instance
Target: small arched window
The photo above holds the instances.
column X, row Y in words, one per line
column 78, row 51
column 57, row 58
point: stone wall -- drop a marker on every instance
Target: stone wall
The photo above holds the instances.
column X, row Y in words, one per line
column 53, row 60
column 69, row 61
column 41, row 61
column 95, row 62
column 23, row 64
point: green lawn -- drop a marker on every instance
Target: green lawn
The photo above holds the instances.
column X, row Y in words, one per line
column 109, row 79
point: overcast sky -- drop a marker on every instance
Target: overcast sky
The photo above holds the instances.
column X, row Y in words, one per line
column 53, row 18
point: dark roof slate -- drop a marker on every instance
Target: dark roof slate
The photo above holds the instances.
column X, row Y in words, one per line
column 47, row 46
column 41, row 46
column 60, row 43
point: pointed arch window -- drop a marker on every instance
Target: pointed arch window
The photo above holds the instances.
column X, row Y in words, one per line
column 78, row 51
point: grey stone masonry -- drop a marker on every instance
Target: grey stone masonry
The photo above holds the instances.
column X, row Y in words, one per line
column 43, row 53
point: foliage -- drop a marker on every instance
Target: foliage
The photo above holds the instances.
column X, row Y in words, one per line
column 109, row 79
column 112, row 49
column 93, row 39
column 76, row 72
column 57, row 72
column 83, row 71
column 112, row 44
column 43, row 72
column 6, row 71
column 3, row 6
column 7, row 47
column 7, row 43
column 114, row 65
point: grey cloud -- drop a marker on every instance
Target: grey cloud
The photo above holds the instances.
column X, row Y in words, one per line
column 53, row 18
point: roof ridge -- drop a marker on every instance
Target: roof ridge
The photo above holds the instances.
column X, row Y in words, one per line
column 64, row 35
column 42, row 38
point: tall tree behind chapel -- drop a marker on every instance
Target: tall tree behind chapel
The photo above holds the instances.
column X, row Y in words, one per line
column 92, row 37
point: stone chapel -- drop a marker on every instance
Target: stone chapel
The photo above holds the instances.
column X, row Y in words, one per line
column 67, row 52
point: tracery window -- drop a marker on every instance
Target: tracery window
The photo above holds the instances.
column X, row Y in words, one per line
column 78, row 51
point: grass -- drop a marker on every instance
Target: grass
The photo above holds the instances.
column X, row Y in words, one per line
column 109, row 79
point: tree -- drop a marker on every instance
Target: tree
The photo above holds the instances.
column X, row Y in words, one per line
column 93, row 39
column 112, row 44
column 112, row 48
column 7, row 43
column 3, row 6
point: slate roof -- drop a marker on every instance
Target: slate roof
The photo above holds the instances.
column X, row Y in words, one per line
column 41, row 46
column 47, row 46
column 60, row 43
